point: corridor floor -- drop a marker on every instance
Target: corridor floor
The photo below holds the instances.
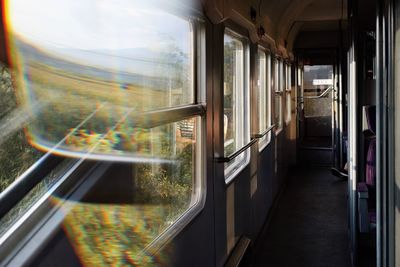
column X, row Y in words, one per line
column 309, row 225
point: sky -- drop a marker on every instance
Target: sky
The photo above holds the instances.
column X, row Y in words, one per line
column 61, row 26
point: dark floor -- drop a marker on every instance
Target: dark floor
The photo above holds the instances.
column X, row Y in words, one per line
column 316, row 141
column 309, row 225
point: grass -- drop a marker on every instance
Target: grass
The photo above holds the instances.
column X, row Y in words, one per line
column 16, row 154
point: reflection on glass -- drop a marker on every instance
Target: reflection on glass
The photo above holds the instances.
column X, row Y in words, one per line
column 134, row 203
column 86, row 76
column 234, row 98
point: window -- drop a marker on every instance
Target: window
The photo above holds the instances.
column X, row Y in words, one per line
column 318, row 84
column 288, row 94
column 299, row 77
column 278, row 86
column 264, row 96
column 122, row 96
column 300, row 89
column 236, row 107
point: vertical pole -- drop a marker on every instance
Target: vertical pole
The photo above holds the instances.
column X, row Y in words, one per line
column 352, row 129
column 380, row 95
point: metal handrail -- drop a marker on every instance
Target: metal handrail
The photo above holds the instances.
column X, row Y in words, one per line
column 154, row 118
column 261, row 135
column 240, row 151
column 324, row 93
column 237, row 153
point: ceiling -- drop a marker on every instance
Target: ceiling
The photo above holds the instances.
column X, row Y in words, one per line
column 285, row 19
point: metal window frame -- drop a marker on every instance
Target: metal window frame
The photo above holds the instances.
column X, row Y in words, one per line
column 386, row 93
column 234, row 31
column 268, row 90
column 279, row 91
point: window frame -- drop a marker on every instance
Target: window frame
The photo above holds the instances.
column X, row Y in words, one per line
column 288, row 93
column 240, row 161
column 39, row 221
column 278, row 94
column 266, row 138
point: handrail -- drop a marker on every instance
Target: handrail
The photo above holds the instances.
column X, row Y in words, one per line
column 153, row 118
column 261, row 135
column 324, row 93
column 25, row 183
column 237, row 153
column 240, row 151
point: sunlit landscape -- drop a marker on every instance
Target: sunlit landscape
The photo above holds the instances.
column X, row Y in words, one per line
column 93, row 104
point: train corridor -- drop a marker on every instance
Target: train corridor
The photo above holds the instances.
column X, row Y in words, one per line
column 309, row 224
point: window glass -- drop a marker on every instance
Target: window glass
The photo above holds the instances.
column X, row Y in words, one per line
column 288, row 107
column 282, row 76
column 89, row 87
column 278, row 110
column 318, row 103
column 143, row 201
column 90, row 75
column 279, row 85
column 264, row 95
column 236, row 134
column 288, row 78
column 318, row 82
column 288, row 94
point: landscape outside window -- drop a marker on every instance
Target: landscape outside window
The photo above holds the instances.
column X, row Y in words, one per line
column 16, row 154
column 87, row 96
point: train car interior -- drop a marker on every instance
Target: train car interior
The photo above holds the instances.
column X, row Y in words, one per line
column 199, row 133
